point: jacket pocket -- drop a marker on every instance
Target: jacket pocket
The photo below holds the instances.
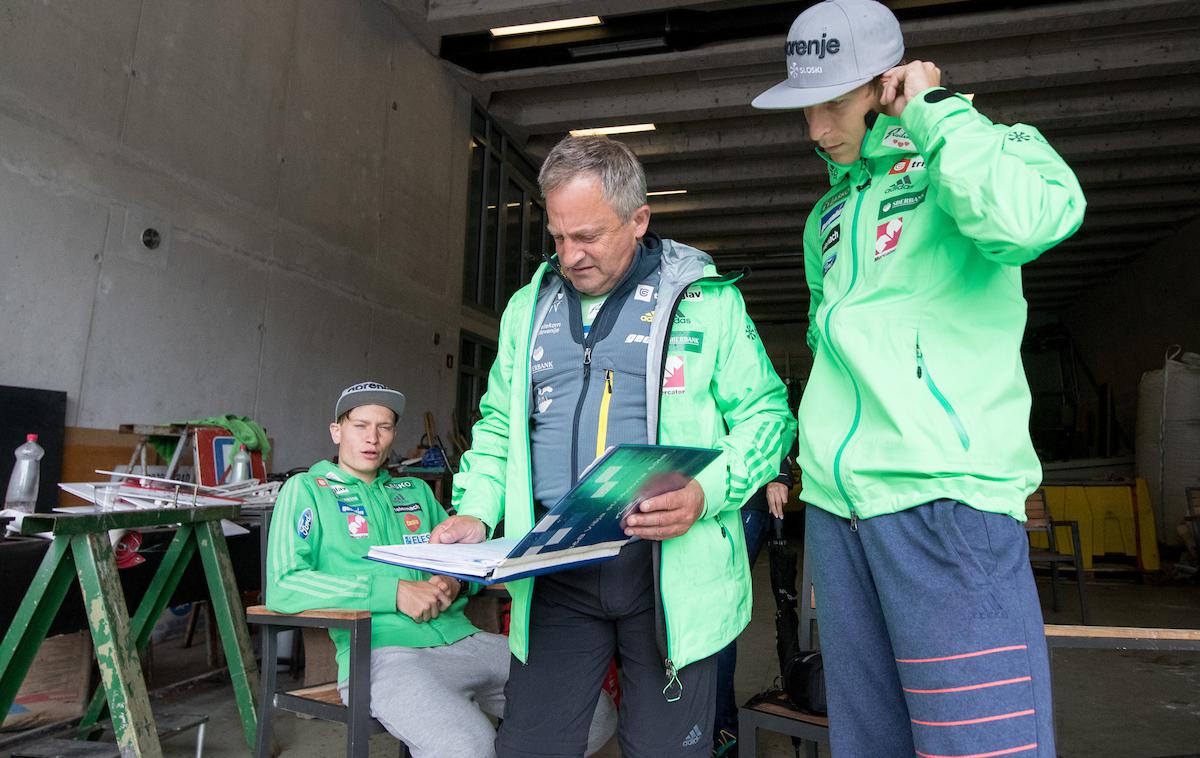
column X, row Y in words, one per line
column 952, row 416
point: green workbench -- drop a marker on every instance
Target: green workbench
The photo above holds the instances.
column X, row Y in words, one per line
column 81, row 547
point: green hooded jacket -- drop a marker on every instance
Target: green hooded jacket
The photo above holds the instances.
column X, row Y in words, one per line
column 913, row 259
column 324, row 522
column 731, row 399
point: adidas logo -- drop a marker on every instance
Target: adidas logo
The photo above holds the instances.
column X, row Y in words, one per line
column 904, row 182
column 693, row 736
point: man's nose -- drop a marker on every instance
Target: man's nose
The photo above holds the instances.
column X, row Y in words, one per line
column 570, row 252
column 818, row 126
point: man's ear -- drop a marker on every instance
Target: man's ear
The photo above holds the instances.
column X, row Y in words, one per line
column 335, row 432
column 641, row 221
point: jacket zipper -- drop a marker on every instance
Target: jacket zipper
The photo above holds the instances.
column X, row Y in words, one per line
column 602, row 422
column 923, row 373
column 673, row 691
column 837, row 460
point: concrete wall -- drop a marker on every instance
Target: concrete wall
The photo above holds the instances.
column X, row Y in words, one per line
column 305, row 164
column 1124, row 326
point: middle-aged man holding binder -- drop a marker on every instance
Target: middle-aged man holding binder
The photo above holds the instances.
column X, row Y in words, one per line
column 914, row 437
column 621, row 338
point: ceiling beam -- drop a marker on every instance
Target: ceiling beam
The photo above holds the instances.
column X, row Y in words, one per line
column 688, row 95
column 962, row 29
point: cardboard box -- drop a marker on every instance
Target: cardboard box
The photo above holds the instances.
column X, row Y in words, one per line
column 56, row 687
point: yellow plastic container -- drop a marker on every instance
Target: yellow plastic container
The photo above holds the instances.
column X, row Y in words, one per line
column 1113, row 518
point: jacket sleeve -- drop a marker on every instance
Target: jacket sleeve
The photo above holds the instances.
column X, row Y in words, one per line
column 753, row 402
column 1005, row 187
column 294, row 580
column 479, row 483
column 815, row 277
column 785, row 473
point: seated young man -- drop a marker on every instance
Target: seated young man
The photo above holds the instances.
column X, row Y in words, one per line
column 433, row 674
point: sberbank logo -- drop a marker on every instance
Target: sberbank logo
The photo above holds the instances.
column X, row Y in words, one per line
column 692, row 342
column 817, row 47
column 900, row 204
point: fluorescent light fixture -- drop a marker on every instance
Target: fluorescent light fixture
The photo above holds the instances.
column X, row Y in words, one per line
column 626, row 129
column 546, row 26
column 657, row 193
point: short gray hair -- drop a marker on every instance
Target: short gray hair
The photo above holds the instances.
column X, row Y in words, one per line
column 622, row 180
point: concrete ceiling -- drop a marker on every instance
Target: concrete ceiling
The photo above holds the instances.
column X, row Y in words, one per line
column 1112, row 84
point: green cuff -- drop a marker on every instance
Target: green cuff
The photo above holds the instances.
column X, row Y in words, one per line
column 714, row 481
column 383, row 594
column 922, row 117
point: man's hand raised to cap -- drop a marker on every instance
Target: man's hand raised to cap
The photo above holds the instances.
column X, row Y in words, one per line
column 458, row 529
column 667, row 515
column 903, row 83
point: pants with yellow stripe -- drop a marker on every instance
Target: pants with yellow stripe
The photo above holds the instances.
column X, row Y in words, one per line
column 932, row 636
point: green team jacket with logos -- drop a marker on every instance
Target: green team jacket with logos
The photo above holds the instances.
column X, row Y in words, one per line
column 324, row 522
column 730, row 399
column 913, row 258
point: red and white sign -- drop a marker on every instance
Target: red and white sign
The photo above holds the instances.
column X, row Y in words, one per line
column 357, row 526
column 887, row 236
column 916, row 163
column 673, row 383
column 321, row 482
column 413, row 522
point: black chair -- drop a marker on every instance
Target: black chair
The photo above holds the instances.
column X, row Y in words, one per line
column 1038, row 519
column 322, row 701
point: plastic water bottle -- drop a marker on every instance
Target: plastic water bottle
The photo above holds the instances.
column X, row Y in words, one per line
column 22, row 491
column 241, row 466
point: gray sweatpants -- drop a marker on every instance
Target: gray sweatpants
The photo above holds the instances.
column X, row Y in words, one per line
column 434, row 699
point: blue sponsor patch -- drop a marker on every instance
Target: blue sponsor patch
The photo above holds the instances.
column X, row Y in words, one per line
column 416, row 539
column 828, row 264
column 304, row 523
column 354, row 508
column 830, row 217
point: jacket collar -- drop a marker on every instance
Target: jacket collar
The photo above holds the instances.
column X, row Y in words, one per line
column 885, row 139
column 334, row 473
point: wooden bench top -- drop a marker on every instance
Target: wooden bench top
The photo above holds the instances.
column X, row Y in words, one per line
column 320, row 613
column 324, row 693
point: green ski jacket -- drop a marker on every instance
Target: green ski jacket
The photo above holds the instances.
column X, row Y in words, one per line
column 913, row 259
column 709, row 384
column 324, row 523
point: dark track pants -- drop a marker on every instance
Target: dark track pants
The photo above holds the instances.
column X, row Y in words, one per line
column 932, row 634
column 577, row 621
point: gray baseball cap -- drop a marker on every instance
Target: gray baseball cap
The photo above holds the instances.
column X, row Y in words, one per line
column 832, row 48
column 369, row 393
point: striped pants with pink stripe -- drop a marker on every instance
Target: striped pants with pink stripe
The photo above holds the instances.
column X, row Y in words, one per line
column 932, row 636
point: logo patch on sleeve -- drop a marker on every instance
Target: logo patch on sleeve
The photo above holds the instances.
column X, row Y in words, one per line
column 828, row 263
column 834, row 237
column 887, row 237
column 842, row 195
column 357, row 526
column 304, row 523
column 830, row 217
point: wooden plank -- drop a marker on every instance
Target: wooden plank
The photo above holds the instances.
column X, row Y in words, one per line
column 90, row 523
column 260, row 612
column 324, row 693
column 788, row 712
column 1122, row 632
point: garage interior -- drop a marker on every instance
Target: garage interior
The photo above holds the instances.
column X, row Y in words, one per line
column 239, row 207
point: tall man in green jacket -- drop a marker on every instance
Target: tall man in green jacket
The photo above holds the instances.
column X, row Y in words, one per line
column 914, row 439
column 621, row 338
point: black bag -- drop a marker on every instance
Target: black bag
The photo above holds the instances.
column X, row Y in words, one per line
column 804, row 682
